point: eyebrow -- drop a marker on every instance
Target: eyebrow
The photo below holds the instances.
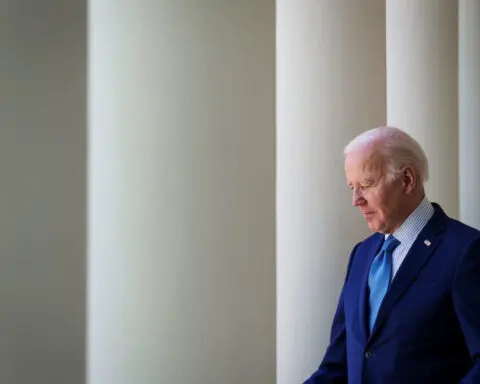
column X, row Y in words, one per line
column 368, row 180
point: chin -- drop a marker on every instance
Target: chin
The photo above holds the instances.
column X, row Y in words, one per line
column 375, row 227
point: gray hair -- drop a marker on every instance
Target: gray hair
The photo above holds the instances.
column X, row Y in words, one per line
column 397, row 147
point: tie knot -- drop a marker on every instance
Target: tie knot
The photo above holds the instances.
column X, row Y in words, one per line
column 390, row 244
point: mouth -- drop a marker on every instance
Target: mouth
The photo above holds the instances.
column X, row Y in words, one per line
column 368, row 214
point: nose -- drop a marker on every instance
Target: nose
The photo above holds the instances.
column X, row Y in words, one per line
column 357, row 198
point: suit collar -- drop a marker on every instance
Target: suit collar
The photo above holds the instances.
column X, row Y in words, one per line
column 417, row 257
column 439, row 220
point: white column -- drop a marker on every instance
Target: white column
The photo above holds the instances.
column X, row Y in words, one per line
column 330, row 87
column 181, row 192
column 469, row 110
column 422, row 87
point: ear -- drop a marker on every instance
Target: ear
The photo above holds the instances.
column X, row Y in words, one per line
column 409, row 179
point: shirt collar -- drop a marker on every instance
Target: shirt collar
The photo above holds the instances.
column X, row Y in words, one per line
column 413, row 225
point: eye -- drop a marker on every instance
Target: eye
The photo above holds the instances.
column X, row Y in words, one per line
column 366, row 184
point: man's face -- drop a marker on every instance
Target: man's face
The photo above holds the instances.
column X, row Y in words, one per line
column 379, row 201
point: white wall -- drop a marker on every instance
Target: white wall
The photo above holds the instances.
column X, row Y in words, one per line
column 469, row 110
column 182, row 192
column 422, row 87
column 43, row 191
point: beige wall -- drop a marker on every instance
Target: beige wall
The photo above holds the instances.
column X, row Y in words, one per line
column 43, row 191
column 182, row 192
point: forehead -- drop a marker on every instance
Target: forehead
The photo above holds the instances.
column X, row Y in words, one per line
column 363, row 164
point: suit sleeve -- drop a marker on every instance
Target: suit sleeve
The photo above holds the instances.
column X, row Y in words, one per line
column 333, row 369
column 466, row 299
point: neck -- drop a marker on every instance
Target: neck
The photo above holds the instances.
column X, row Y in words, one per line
column 414, row 203
column 409, row 207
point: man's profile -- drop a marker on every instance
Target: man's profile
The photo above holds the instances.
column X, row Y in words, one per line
column 409, row 311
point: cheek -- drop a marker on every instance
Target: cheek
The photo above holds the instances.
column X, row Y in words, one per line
column 380, row 203
column 375, row 200
column 387, row 204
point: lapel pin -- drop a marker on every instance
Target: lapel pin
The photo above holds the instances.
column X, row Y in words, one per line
column 427, row 243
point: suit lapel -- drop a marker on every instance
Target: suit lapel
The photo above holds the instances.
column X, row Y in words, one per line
column 364, row 291
column 421, row 251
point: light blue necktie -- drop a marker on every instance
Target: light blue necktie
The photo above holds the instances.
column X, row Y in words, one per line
column 379, row 277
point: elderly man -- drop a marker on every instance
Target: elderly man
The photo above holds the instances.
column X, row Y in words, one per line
column 409, row 311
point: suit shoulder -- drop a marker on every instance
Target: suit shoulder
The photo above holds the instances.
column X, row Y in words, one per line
column 462, row 232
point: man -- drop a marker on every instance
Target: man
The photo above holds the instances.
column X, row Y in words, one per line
column 409, row 311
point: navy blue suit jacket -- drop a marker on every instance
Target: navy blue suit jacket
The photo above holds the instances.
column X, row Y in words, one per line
column 428, row 327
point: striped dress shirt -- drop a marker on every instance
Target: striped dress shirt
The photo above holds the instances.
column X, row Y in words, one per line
column 408, row 232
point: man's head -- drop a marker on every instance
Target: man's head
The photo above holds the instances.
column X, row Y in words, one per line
column 385, row 169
